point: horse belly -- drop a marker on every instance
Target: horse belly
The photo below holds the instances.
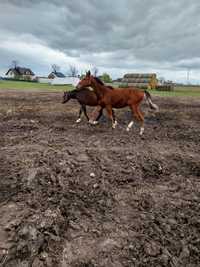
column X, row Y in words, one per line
column 92, row 103
column 89, row 100
column 119, row 103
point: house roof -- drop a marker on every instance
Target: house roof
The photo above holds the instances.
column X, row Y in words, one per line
column 58, row 74
column 20, row 71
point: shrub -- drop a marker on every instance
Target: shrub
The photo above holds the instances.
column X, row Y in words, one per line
column 106, row 78
column 165, row 87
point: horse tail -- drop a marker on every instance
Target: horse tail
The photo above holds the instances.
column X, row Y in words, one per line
column 150, row 102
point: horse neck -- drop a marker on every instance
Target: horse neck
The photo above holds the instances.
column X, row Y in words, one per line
column 99, row 89
column 72, row 94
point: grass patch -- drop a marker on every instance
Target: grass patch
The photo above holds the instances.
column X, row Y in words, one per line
column 33, row 86
column 187, row 91
column 191, row 91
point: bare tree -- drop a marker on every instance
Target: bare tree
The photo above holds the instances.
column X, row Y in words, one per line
column 55, row 68
column 14, row 63
column 73, row 71
column 95, row 71
column 161, row 80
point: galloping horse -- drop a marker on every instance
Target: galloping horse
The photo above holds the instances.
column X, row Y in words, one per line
column 118, row 98
column 85, row 97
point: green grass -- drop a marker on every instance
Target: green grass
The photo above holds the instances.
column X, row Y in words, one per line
column 187, row 91
column 190, row 91
column 33, row 86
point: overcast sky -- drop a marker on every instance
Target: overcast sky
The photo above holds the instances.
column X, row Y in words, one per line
column 115, row 36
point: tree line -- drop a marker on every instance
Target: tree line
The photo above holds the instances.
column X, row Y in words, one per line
column 73, row 71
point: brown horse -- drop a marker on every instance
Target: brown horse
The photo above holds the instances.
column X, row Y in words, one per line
column 118, row 98
column 85, row 97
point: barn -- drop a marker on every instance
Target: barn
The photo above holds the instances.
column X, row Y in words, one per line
column 56, row 74
column 145, row 80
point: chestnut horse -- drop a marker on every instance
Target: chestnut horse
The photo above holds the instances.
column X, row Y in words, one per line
column 85, row 97
column 118, row 98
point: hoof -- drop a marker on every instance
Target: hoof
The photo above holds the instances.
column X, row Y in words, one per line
column 93, row 122
column 141, row 131
column 114, row 125
column 129, row 126
column 79, row 120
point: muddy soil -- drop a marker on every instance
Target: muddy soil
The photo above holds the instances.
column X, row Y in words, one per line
column 84, row 196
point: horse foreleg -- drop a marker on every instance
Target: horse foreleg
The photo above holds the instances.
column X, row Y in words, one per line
column 85, row 112
column 110, row 115
column 129, row 126
column 114, row 118
column 93, row 119
column 80, row 113
column 99, row 115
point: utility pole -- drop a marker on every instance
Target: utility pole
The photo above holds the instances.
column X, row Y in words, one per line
column 188, row 76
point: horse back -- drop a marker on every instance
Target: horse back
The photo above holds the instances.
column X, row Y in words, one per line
column 132, row 92
column 123, row 97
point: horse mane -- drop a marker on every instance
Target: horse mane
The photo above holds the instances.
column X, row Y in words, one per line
column 100, row 82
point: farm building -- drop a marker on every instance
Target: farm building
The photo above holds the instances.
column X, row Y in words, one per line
column 55, row 74
column 20, row 73
column 148, row 80
column 67, row 80
column 59, row 81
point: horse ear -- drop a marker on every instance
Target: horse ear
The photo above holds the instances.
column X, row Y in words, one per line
column 88, row 73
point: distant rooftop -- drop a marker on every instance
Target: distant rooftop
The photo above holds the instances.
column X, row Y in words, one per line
column 58, row 74
column 21, row 71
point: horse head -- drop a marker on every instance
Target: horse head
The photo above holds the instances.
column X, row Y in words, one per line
column 66, row 97
column 86, row 81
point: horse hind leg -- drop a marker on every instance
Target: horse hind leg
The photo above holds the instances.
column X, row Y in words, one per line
column 139, row 117
column 131, row 122
column 141, row 120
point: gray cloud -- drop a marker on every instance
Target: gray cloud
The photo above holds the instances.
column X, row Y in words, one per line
column 118, row 36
